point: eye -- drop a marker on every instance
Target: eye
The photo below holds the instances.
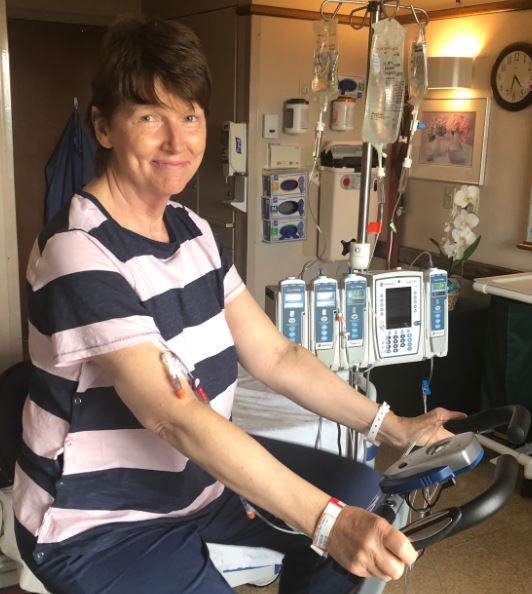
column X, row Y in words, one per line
column 147, row 118
column 191, row 118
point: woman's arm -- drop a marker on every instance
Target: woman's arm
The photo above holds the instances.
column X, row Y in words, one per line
column 208, row 438
column 362, row 542
column 298, row 374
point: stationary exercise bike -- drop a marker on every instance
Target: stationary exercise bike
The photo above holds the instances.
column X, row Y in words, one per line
column 435, row 467
column 424, row 468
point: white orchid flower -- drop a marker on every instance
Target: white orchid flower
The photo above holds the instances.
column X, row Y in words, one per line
column 463, row 238
column 466, row 220
column 450, row 249
column 467, row 195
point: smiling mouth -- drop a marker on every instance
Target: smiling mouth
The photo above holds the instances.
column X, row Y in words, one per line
column 171, row 164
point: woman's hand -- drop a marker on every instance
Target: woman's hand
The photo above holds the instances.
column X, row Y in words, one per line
column 368, row 546
column 425, row 429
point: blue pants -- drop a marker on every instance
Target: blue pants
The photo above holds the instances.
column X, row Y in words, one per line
column 172, row 557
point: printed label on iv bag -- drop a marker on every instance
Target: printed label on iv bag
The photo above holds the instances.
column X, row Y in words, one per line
column 386, row 84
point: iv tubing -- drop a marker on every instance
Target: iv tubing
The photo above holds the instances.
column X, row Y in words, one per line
column 374, row 8
column 365, row 166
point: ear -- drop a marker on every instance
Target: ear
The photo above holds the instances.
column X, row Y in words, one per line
column 101, row 128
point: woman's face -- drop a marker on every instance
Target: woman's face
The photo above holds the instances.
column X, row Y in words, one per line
column 156, row 149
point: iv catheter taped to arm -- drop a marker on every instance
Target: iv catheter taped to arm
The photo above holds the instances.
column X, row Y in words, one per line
column 178, row 373
column 174, row 373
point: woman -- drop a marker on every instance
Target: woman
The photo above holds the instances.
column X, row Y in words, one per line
column 119, row 483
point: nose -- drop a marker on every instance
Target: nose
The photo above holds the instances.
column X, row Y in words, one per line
column 174, row 137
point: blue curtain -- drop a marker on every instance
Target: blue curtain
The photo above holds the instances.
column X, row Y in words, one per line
column 71, row 165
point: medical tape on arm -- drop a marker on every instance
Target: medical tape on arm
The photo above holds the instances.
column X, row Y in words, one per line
column 174, row 372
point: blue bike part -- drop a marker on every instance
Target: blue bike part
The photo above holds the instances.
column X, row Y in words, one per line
column 433, row 464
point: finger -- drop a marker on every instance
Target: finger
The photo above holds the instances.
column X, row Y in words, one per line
column 443, row 415
column 399, row 545
column 389, row 567
column 440, row 434
column 374, row 566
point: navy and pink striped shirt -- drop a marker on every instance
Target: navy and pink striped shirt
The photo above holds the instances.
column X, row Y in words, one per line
column 87, row 466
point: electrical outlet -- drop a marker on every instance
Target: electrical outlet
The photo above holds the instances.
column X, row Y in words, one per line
column 304, row 89
column 448, row 197
column 474, row 207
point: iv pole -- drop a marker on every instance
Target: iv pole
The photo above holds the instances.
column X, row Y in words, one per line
column 359, row 251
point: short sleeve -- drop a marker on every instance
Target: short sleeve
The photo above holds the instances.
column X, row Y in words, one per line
column 79, row 297
column 233, row 283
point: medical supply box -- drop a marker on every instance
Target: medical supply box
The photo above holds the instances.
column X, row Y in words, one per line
column 284, row 182
column 278, row 207
column 286, row 229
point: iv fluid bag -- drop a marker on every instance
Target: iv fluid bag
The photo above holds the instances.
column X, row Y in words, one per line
column 325, row 72
column 386, row 84
column 418, row 81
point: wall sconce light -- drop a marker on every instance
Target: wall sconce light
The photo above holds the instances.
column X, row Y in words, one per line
column 448, row 72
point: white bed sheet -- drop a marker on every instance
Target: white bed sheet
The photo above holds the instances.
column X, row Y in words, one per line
column 261, row 411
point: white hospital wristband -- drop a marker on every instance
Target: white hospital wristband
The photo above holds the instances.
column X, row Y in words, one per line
column 325, row 525
column 384, row 408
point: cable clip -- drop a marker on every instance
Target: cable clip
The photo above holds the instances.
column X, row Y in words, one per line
column 425, row 388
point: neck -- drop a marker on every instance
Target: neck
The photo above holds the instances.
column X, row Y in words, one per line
column 143, row 215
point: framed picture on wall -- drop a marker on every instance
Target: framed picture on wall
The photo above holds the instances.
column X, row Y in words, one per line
column 452, row 146
column 529, row 229
column 527, row 243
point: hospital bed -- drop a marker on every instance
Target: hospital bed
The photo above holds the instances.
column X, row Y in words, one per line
column 286, row 422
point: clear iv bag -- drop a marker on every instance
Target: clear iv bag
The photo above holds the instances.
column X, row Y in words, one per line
column 325, row 72
column 417, row 80
column 386, row 85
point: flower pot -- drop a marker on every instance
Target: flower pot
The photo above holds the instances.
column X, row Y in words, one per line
column 453, row 291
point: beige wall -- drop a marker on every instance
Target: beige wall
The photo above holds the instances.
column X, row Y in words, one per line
column 504, row 199
column 10, row 327
column 281, row 60
column 282, row 51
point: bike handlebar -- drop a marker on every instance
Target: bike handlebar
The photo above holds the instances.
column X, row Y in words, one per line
column 515, row 419
column 432, row 529
column 493, row 498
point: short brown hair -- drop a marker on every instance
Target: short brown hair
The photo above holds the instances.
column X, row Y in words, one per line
column 134, row 55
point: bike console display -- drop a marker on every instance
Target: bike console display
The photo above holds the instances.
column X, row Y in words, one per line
column 433, row 464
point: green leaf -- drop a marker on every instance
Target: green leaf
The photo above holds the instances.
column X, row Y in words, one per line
column 438, row 246
column 468, row 252
column 454, row 265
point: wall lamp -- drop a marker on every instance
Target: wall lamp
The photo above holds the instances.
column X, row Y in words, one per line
column 448, row 72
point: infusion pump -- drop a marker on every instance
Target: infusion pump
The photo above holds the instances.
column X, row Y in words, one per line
column 371, row 318
column 407, row 315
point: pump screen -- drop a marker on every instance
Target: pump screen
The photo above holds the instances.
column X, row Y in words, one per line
column 325, row 298
column 398, row 308
column 294, row 299
column 438, row 286
column 353, row 295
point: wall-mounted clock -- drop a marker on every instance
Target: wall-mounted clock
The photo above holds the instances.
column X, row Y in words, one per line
column 511, row 76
